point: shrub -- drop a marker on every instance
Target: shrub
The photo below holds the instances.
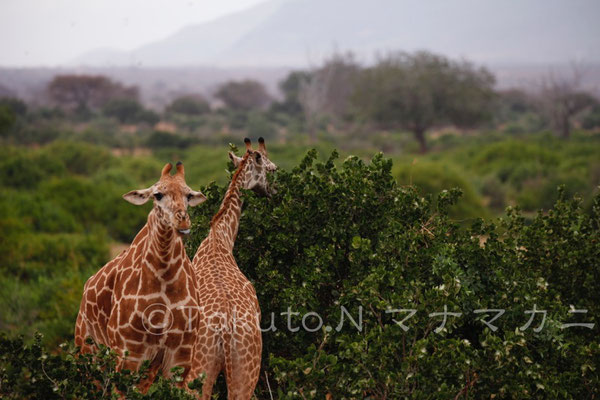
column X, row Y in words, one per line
column 243, row 95
column 352, row 237
column 30, row 371
column 431, row 178
column 515, row 161
column 124, row 110
column 541, row 193
column 18, row 106
column 7, row 119
column 259, row 125
column 189, row 105
column 79, row 158
column 148, row 117
column 495, row 193
column 20, row 172
column 42, row 280
column 159, row 140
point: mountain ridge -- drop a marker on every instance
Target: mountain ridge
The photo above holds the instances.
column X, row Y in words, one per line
column 303, row 32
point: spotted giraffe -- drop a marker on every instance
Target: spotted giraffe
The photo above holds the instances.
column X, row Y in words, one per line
column 144, row 302
column 228, row 336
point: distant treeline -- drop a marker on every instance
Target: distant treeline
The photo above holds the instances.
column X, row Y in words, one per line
column 419, row 93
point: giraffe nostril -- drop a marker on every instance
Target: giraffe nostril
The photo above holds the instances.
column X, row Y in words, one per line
column 182, row 221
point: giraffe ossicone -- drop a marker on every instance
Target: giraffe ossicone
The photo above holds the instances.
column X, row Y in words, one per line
column 228, row 334
column 143, row 304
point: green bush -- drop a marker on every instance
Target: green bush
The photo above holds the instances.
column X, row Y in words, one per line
column 259, row 125
column 123, row 109
column 159, row 140
column 42, row 280
column 515, row 161
column 541, row 193
column 494, row 193
column 58, row 206
column 142, row 170
column 20, row 172
column 18, row 106
column 524, row 170
column 591, row 120
column 431, row 178
column 7, row 119
column 79, row 158
column 42, row 132
column 38, row 213
column 352, row 237
column 189, row 105
column 31, row 372
column 147, row 117
column 43, row 303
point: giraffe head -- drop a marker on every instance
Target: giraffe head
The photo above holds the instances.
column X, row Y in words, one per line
column 256, row 165
column 172, row 196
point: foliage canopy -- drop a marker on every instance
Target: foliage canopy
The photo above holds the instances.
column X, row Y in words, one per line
column 422, row 90
column 350, row 236
column 243, row 95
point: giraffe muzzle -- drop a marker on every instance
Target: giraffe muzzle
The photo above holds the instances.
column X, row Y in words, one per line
column 183, row 222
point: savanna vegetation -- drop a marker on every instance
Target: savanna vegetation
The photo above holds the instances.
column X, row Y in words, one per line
column 351, row 237
column 462, row 211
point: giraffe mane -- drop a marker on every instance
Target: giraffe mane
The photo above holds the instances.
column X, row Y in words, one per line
column 229, row 194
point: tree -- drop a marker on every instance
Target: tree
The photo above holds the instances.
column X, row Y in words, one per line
column 350, row 236
column 290, row 87
column 333, row 84
column 327, row 90
column 124, row 110
column 7, row 119
column 18, row 106
column 422, row 90
column 517, row 111
column 29, row 371
column 159, row 139
column 148, row 117
column 515, row 101
column 86, row 93
column 129, row 111
column 592, row 118
column 339, row 240
column 189, row 105
column 561, row 98
column 243, row 95
column 10, row 109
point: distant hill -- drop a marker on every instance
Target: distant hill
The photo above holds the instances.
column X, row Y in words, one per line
column 191, row 46
column 301, row 32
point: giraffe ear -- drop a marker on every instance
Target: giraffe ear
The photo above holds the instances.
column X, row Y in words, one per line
column 195, row 198
column 138, row 197
column 235, row 159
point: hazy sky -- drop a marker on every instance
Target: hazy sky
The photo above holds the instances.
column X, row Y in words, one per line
column 52, row 32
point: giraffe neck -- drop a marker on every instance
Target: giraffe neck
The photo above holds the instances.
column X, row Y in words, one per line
column 225, row 223
column 163, row 243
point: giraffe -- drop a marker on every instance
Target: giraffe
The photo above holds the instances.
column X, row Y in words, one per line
column 228, row 336
column 144, row 301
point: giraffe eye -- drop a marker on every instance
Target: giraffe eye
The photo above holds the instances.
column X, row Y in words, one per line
column 158, row 196
column 189, row 197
